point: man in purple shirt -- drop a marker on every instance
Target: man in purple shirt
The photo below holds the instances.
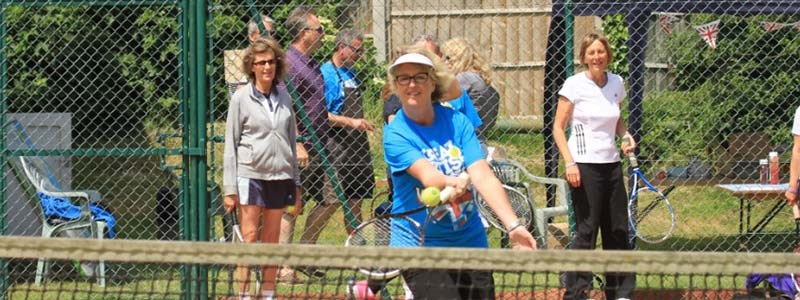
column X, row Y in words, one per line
column 305, row 76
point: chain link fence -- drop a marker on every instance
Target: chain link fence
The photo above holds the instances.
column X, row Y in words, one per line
column 101, row 92
column 89, row 93
column 706, row 112
column 712, row 89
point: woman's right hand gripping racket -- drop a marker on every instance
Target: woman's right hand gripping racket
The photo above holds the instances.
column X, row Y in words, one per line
column 650, row 214
column 396, row 230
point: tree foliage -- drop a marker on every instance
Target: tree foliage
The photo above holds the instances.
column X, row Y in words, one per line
column 749, row 83
column 119, row 67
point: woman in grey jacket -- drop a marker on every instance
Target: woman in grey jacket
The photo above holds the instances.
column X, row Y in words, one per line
column 260, row 170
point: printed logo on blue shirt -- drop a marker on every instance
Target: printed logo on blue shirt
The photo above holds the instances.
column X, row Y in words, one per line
column 447, row 158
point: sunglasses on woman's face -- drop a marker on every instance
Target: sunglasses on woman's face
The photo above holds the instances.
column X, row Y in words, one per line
column 262, row 63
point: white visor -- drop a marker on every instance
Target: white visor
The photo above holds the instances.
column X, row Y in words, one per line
column 411, row 58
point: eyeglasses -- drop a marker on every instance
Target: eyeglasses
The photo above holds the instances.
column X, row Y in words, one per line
column 319, row 30
column 418, row 79
column 262, row 63
column 356, row 50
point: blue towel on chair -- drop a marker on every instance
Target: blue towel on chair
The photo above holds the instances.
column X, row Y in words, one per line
column 55, row 207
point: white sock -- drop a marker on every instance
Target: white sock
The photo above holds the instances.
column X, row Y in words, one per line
column 267, row 295
column 244, row 296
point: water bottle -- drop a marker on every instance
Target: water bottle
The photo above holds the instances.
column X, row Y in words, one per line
column 774, row 165
column 351, row 293
column 763, row 171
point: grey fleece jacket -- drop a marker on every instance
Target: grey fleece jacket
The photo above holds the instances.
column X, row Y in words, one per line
column 259, row 139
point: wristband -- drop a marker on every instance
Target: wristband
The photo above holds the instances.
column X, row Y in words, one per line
column 791, row 191
column 513, row 227
column 567, row 165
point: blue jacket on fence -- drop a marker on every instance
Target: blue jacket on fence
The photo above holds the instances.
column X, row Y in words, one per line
column 55, row 207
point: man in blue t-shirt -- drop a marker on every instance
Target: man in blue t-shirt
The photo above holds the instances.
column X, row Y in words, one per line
column 347, row 143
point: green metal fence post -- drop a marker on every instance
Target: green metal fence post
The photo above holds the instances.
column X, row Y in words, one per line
column 256, row 16
column 3, row 153
column 186, row 96
column 569, row 47
column 198, row 158
column 323, row 154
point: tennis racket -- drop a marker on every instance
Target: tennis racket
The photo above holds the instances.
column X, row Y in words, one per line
column 650, row 213
column 236, row 238
column 380, row 232
column 523, row 208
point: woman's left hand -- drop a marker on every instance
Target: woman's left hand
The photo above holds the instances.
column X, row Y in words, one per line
column 302, row 156
column 458, row 184
column 628, row 144
column 298, row 202
column 521, row 239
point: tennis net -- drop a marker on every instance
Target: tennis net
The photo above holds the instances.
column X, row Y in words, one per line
column 204, row 270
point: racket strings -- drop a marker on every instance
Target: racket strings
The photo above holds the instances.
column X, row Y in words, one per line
column 520, row 204
column 652, row 216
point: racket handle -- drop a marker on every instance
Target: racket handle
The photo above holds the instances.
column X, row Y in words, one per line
column 447, row 193
column 631, row 155
column 234, row 216
column 633, row 160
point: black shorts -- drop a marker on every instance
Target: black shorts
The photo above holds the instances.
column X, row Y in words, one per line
column 443, row 284
column 272, row 194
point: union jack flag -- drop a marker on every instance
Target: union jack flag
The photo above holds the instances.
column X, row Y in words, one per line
column 772, row 26
column 708, row 32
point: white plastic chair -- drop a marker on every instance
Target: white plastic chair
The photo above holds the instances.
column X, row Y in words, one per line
column 38, row 174
column 514, row 174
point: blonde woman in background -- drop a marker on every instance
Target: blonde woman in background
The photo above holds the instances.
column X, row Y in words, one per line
column 474, row 75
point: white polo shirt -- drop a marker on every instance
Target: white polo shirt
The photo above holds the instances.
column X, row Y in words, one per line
column 796, row 126
column 594, row 117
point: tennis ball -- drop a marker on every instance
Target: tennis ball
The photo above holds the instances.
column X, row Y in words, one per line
column 430, row 196
column 290, row 208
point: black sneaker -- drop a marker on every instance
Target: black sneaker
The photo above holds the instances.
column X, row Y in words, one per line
column 312, row 272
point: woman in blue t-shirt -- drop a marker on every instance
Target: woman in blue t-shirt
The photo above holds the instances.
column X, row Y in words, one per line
column 428, row 145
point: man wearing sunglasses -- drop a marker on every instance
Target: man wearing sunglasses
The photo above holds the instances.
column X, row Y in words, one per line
column 304, row 76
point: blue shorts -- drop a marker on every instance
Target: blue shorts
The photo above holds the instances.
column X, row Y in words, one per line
column 272, row 194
